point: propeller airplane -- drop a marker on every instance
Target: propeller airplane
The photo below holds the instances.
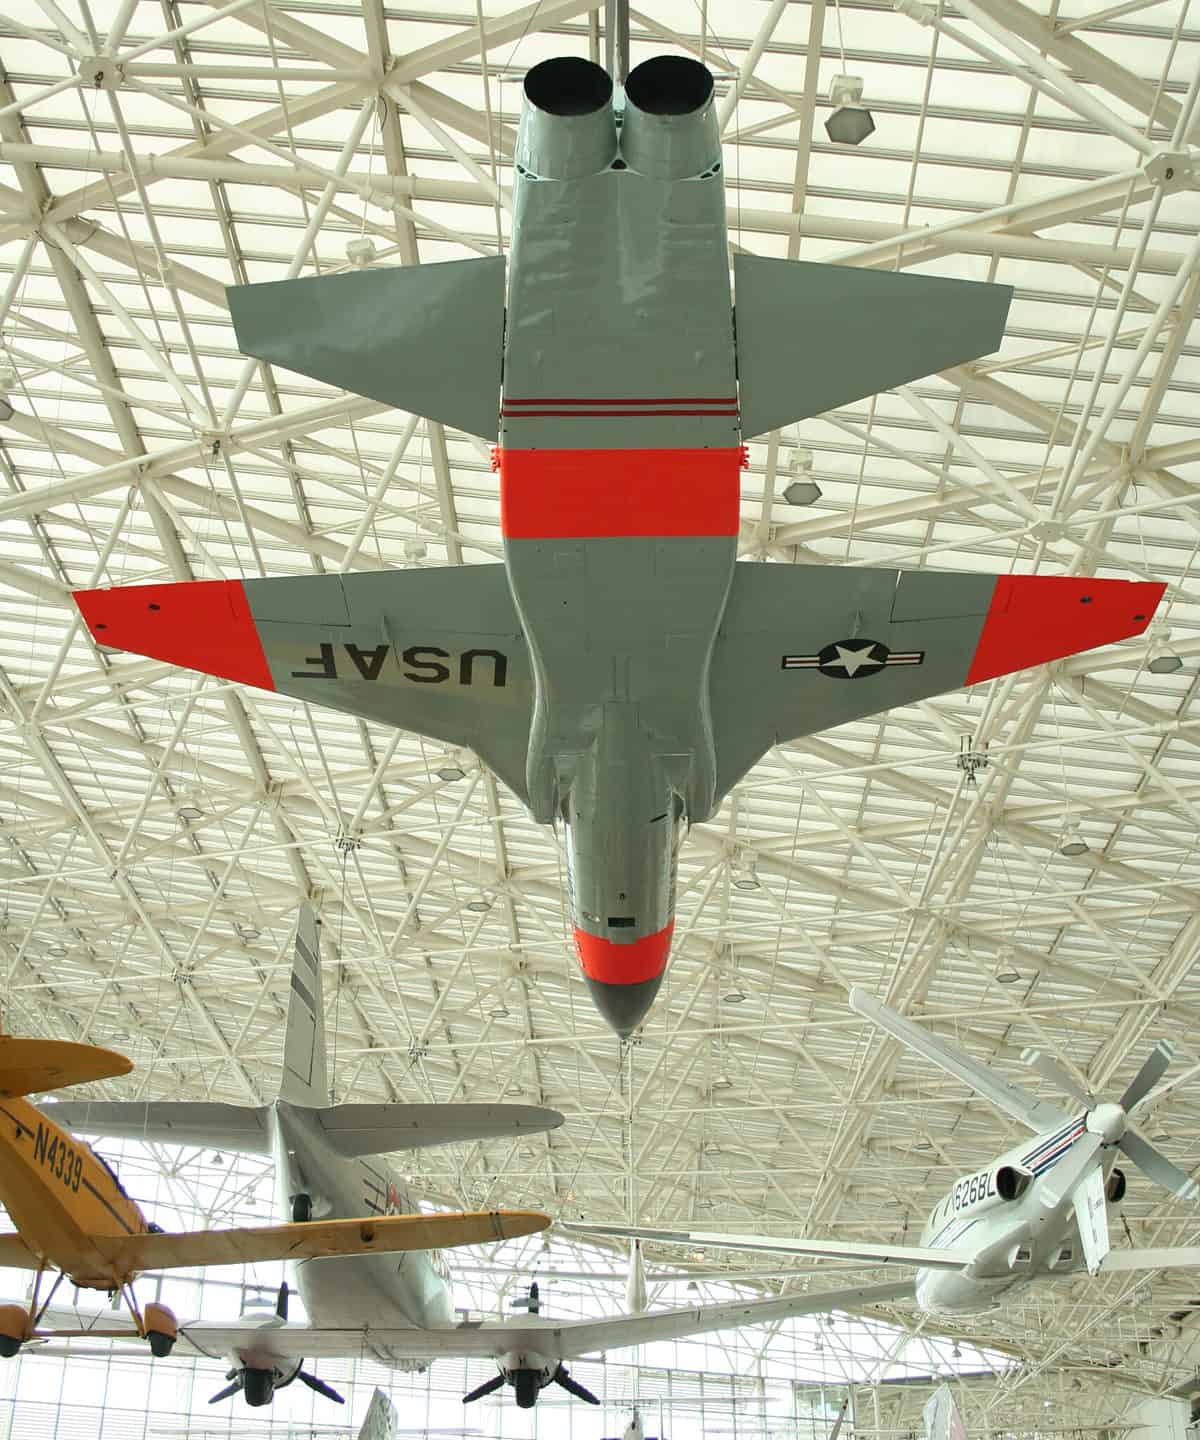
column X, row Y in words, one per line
column 1035, row 1212
column 73, row 1215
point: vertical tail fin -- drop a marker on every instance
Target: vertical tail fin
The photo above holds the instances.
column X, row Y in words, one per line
column 304, row 1077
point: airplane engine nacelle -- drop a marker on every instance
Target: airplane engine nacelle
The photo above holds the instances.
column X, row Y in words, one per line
column 1011, row 1181
column 1114, row 1187
column 988, row 1188
column 669, row 130
column 14, row 1329
column 568, row 129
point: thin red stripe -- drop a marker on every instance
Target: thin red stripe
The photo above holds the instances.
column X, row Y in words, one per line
column 606, row 414
column 631, row 400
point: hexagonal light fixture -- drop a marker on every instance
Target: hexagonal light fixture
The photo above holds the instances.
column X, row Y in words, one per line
column 802, row 492
column 1161, row 659
column 1073, row 843
column 743, row 873
column 851, row 121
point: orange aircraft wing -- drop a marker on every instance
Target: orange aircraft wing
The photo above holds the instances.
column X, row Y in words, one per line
column 315, row 1239
column 15, row 1254
column 28, row 1065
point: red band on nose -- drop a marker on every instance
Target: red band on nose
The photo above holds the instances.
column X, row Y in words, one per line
column 643, row 959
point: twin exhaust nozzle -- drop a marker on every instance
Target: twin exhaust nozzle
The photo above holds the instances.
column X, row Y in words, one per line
column 667, row 130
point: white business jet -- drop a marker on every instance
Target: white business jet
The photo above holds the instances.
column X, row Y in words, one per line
column 1038, row 1210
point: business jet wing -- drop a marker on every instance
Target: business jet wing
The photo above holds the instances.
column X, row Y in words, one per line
column 554, row 1339
column 439, row 651
column 918, row 1255
column 821, row 645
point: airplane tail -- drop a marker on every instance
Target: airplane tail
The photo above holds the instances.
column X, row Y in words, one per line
column 305, row 1081
column 28, row 1065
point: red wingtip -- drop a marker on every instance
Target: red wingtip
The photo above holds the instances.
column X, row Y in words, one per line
column 631, row 964
column 1034, row 619
column 204, row 625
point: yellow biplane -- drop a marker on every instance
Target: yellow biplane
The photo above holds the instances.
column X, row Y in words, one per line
column 72, row 1214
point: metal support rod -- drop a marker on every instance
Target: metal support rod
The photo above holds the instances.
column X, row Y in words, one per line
column 616, row 39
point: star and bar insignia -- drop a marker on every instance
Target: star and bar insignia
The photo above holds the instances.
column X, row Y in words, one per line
column 853, row 659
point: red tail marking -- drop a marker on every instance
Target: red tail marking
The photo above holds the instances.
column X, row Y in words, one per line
column 205, row 625
column 1037, row 618
column 611, row 964
column 560, row 494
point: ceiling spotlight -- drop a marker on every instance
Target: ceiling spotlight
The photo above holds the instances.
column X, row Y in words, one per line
column 1006, row 969
column 216, row 1158
column 248, row 932
column 722, row 1082
column 498, row 1010
column 360, row 251
column 734, row 995
column 851, row 121
column 1162, row 660
column 1072, row 842
column 802, row 492
column 450, row 769
column 697, row 1255
column 190, row 812
column 480, row 902
column 742, row 872
column 415, row 550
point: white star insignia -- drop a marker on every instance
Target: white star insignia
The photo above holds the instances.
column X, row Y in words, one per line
column 853, row 660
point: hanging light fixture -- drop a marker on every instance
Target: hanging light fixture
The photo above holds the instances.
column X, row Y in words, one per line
column 851, row 121
column 743, row 872
column 1161, row 659
column 1072, row 842
column 1006, row 968
column 480, row 903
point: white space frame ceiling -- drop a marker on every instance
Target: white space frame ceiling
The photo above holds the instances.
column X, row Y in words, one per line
column 159, row 829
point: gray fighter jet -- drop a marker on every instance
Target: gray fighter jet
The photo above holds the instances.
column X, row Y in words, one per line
column 620, row 671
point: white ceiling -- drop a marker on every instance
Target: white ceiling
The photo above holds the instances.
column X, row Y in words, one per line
column 1014, row 144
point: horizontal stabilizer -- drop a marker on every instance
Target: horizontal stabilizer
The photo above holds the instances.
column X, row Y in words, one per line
column 1012, row 1099
column 376, row 1129
column 812, row 337
column 28, row 1065
column 923, row 1256
column 426, row 338
column 314, row 1240
column 170, row 1122
column 1177, row 1257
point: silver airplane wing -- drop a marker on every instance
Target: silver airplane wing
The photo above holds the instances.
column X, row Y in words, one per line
column 821, row 645
column 562, row 1340
column 919, row 1255
column 439, row 651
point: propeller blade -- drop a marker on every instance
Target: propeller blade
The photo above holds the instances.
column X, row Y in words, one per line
column 281, row 1302
column 485, row 1389
column 1091, row 1215
column 228, row 1390
column 573, row 1387
column 1049, row 1069
column 1061, row 1181
column 319, row 1386
column 1153, row 1068
column 837, row 1424
column 1155, row 1165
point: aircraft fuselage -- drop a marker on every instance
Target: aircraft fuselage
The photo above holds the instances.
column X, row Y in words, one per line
column 408, row 1288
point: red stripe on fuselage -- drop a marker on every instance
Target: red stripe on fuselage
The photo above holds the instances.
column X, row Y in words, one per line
column 205, row 625
column 591, row 402
column 631, row 964
column 1034, row 619
column 560, row 494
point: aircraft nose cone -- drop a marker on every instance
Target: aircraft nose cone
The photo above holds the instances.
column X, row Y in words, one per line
column 624, row 979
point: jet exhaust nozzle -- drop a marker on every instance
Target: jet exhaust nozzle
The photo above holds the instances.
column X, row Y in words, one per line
column 568, row 129
column 669, row 130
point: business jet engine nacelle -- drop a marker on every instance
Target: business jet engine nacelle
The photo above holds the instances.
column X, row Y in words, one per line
column 986, row 1189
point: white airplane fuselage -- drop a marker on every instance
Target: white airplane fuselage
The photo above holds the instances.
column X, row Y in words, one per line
column 409, row 1288
column 1000, row 1213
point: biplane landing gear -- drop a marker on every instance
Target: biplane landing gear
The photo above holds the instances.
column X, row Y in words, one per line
column 302, row 1209
column 156, row 1324
column 14, row 1329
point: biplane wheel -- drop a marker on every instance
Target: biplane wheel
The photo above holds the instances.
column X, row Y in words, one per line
column 162, row 1329
column 302, row 1209
column 14, row 1329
